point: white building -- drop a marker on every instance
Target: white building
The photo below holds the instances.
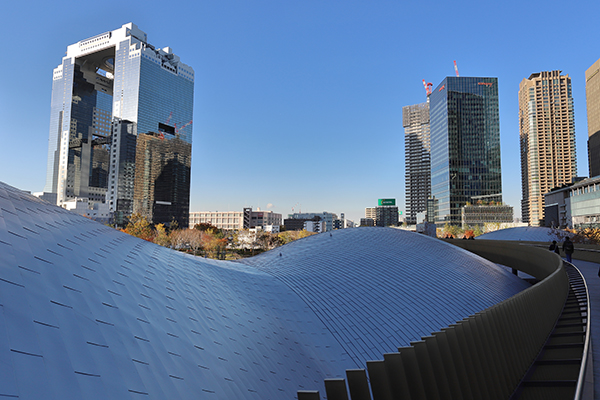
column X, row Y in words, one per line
column 99, row 212
column 226, row 220
column 237, row 220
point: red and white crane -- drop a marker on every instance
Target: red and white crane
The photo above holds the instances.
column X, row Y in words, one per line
column 427, row 86
column 455, row 68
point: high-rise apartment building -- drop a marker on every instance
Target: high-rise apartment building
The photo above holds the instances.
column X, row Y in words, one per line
column 109, row 90
column 417, row 178
column 465, row 145
column 592, row 97
column 547, row 136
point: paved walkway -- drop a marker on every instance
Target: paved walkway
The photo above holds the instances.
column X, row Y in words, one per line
column 590, row 273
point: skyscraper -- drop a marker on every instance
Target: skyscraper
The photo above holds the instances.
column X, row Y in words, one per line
column 108, row 90
column 547, row 136
column 592, row 97
column 465, row 145
column 417, row 177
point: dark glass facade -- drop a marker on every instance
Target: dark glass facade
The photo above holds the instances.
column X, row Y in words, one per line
column 162, row 178
column 594, row 154
column 465, row 145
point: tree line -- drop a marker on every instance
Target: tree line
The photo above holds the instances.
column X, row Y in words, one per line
column 208, row 241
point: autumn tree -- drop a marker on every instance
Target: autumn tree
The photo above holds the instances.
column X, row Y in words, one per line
column 289, row 236
column 139, row 226
column 162, row 237
column 187, row 239
column 207, row 227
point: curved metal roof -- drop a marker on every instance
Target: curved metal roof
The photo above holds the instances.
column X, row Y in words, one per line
column 380, row 288
column 89, row 312
column 527, row 234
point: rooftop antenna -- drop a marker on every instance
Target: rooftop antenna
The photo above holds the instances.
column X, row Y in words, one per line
column 455, row 68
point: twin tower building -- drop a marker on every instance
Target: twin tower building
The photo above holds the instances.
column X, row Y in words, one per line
column 452, row 148
column 121, row 127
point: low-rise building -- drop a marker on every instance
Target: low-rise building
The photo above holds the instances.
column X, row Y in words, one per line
column 342, row 222
column 575, row 206
column 298, row 224
column 260, row 218
column 385, row 214
column 226, row 220
column 99, row 212
column 236, row 220
column 325, row 216
column 367, row 222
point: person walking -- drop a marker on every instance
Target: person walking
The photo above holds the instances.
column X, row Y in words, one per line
column 554, row 247
column 568, row 248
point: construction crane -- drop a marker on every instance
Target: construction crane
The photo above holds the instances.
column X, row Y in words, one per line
column 297, row 204
column 427, row 86
column 177, row 130
column 455, row 68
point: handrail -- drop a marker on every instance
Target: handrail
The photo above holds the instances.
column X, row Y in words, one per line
column 586, row 345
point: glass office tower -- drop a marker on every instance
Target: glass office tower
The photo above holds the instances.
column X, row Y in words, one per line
column 465, row 145
column 108, row 90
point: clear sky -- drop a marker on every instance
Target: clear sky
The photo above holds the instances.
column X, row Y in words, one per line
column 299, row 103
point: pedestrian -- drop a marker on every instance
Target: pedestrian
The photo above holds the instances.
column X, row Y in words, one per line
column 554, row 247
column 568, row 248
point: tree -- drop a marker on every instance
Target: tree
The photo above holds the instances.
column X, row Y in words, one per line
column 187, row 239
column 491, row 226
column 162, row 237
column 207, row 227
column 289, row 236
column 139, row 226
column 451, row 230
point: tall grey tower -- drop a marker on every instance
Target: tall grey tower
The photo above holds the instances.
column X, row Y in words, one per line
column 417, row 180
column 111, row 90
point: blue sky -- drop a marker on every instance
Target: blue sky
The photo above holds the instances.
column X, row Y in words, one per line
column 299, row 103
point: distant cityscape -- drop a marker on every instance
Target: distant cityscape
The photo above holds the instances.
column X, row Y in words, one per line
column 121, row 136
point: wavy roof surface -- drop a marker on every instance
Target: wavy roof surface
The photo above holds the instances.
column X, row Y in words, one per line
column 89, row 312
column 527, row 234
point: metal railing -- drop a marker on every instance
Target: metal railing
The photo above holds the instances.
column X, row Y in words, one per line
column 579, row 391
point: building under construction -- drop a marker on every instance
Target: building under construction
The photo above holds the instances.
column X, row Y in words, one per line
column 162, row 178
